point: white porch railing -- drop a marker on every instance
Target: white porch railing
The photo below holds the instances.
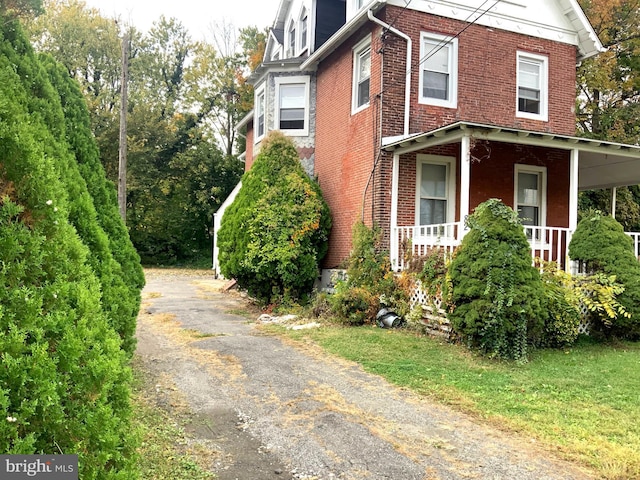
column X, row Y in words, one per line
column 549, row 243
column 636, row 242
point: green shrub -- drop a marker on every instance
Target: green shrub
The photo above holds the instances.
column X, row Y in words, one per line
column 275, row 233
column 370, row 283
column 561, row 327
column 64, row 381
column 497, row 295
column 601, row 245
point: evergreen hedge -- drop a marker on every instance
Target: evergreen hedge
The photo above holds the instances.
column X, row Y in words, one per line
column 64, row 381
column 274, row 234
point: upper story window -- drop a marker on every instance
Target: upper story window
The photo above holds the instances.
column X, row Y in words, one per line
column 438, row 70
column 532, row 84
column 260, row 117
column 304, row 27
column 361, row 75
column 292, row 39
column 292, row 100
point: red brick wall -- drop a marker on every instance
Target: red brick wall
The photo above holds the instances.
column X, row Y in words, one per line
column 345, row 146
column 487, row 76
column 248, row 158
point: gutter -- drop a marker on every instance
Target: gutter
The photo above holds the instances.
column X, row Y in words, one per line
column 407, row 87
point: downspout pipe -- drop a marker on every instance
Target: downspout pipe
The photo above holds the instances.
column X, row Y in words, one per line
column 407, row 88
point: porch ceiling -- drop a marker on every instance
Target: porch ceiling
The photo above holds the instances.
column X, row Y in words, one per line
column 600, row 165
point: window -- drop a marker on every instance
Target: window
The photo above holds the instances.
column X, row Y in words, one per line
column 439, row 70
column 532, row 86
column 530, row 193
column 293, row 105
column 361, row 75
column 260, row 114
column 303, row 29
column 292, row 39
column 435, row 202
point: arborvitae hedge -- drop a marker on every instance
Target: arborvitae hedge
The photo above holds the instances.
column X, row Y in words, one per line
column 64, row 376
column 601, row 244
column 275, row 233
column 498, row 297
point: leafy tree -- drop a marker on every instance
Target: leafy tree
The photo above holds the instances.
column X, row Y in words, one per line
column 64, row 385
column 274, row 234
column 608, row 102
column 601, row 245
column 498, row 299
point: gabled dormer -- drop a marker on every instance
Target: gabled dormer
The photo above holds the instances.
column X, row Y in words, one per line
column 302, row 26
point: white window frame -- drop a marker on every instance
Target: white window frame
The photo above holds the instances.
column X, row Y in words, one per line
column 452, row 102
column 260, row 108
column 292, row 41
column 303, row 42
column 543, row 62
column 450, row 163
column 279, row 81
column 360, row 49
column 542, row 184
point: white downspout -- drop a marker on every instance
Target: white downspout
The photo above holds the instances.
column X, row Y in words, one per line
column 407, row 88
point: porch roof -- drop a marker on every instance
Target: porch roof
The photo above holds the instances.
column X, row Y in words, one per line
column 601, row 164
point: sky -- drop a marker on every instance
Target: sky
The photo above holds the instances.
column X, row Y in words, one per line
column 196, row 15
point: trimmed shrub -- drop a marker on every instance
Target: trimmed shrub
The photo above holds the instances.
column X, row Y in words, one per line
column 498, row 298
column 601, row 245
column 273, row 236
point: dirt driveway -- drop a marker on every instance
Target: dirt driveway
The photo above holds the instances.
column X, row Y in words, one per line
column 269, row 410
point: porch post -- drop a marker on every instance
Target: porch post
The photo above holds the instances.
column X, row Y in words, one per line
column 393, row 240
column 614, row 198
column 465, row 182
column 573, row 189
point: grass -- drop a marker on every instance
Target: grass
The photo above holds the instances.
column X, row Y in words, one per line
column 583, row 402
column 166, row 450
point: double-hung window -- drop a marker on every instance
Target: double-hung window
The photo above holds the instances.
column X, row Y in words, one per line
column 435, row 202
column 292, row 112
column 530, row 192
column 361, row 75
column 532, row 84
column 260, row 126
column 438, row 70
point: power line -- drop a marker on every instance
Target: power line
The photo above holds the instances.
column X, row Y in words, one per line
column 445, row 41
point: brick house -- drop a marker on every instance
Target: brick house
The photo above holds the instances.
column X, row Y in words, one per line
column 411, row 113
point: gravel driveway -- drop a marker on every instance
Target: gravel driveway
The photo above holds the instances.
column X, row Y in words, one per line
column 270, row 410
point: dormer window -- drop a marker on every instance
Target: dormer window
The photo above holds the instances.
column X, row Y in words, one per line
column 292, row 39
column 304, row 20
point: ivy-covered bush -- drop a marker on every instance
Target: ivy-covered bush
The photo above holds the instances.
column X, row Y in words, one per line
column 370, row 283
column 64, row 376
column 498, row 299
column 274, row 234
column 601, row 245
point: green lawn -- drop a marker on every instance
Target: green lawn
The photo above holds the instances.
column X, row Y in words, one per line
column 583, row 402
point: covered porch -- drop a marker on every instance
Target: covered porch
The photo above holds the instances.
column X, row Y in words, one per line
column 537, row 174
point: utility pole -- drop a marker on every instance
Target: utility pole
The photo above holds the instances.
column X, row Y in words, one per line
column 122, row 157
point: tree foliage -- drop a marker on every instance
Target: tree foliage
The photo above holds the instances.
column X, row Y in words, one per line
column 274, row 234
column 498, row 299
column 601, row 245
column 64, row 381
column 185, row 98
